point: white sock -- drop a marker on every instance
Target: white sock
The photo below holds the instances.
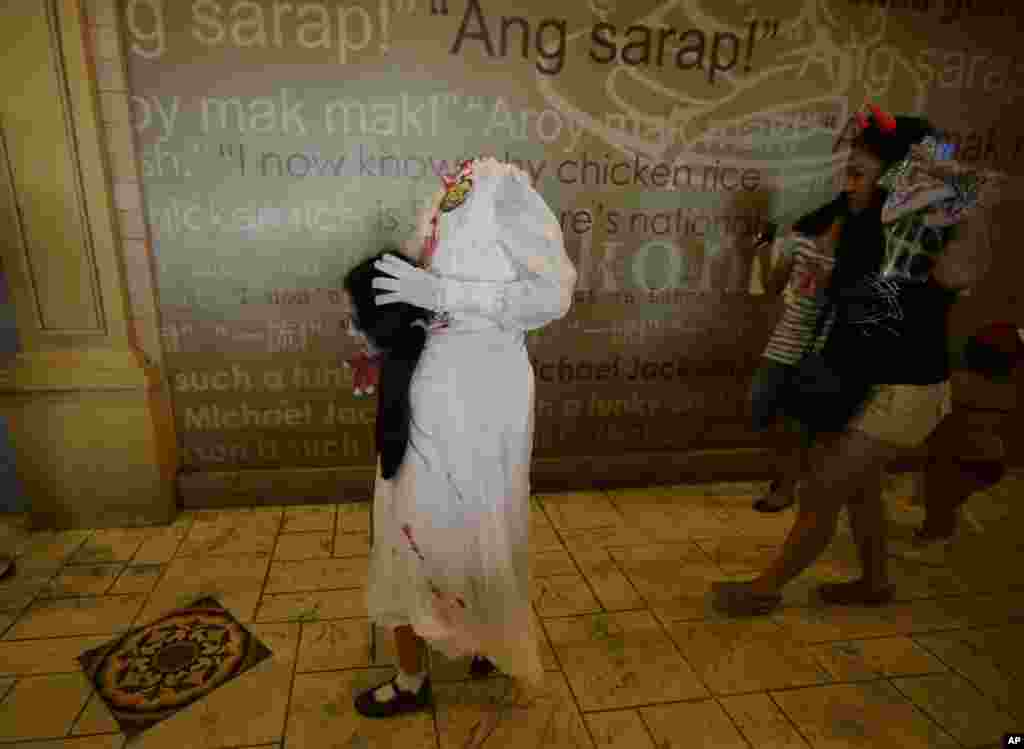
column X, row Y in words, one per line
column 410, row 682
column 406, row 682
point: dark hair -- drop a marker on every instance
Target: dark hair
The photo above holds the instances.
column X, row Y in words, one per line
column 389, row 325
column 390, row 328
column 891, row 147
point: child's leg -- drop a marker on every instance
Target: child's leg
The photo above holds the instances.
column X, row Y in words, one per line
column 792, row 465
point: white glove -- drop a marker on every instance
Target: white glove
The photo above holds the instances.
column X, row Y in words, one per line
column 407, row 284
column 418, row 287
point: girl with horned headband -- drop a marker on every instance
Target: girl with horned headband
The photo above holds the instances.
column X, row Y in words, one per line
column 880, row 376
column 450, row 561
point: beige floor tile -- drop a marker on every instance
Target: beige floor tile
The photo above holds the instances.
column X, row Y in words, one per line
column 872, row 713
column 580, row 510
column 6, row 620
column 474, row 714
column 956, row 705
column 322, row 715
column 318, row 574
column 49, row 656
column 75, row 617
column 676, row 522
column 693, row 724
column 859, row 660
column 619, row 729
column 304, row 518
column 613, row 589
column 565, row 595
column 83, row 580
column 831, row 623
column 674, row 579
column 96, row 718
column 538, row 518
column 551, row 563
column 738, row 555
column 246, row 711
column 334, row 645
column 42, row 707
column 320, row 605
column 161, row 547
column 761, row 722
column 138, row 578
column 621, row 660
column 351, row 545
column 985, row 661
column 732, row 657
column 295, row 547
column 235, row 581
column 354, row 517
column 544, row 538
column 609, row 537
column 239, row 533
column 112, row 545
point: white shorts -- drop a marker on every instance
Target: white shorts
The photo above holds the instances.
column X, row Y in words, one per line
column 905, row 415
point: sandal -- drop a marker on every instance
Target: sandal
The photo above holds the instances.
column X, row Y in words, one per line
column 737, row 599
column 854, row 593
column 481, row 668
column 403, row 702
column 764, row 504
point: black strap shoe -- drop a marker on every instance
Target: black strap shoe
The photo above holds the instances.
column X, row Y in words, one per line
column 403, row 702
column 765, row 504
column 481, row 668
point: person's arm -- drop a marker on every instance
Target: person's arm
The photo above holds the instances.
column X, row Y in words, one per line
column 531, row 237
column 776, row 279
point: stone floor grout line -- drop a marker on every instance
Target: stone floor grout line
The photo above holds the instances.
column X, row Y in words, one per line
column 792, row 723
column 291, row 681
column 543, row 628
column 85, row 705
column 734, row 722
column 924, row 713
column 1009, row 709
column 334, row 529
column 164, row 567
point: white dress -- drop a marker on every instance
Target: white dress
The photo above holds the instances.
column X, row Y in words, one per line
column 451, row 530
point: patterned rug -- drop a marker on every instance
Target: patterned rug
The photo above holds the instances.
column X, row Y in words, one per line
column 152, row 672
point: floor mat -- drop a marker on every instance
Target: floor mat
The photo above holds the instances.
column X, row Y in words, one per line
column 150, row 673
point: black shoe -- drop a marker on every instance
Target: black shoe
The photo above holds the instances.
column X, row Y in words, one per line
column 481, row 668
column 403, row 702
column 766, row 505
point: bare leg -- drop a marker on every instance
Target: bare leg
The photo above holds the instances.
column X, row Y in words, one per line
column 408, row 646
column 838, row 479
column 868, row 523
column 794, row 464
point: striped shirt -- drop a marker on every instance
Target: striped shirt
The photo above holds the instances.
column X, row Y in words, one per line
column 803, row 299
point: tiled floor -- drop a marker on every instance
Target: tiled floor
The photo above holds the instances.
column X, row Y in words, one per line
column 636, row 658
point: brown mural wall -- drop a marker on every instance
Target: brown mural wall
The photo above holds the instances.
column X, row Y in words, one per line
column 277, row 143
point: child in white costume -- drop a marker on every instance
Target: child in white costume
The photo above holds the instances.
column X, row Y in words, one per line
column 450, row 559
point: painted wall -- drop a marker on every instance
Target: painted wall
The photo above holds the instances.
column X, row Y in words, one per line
column 276, row 147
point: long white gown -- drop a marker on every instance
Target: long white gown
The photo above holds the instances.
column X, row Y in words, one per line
column 451, row 530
